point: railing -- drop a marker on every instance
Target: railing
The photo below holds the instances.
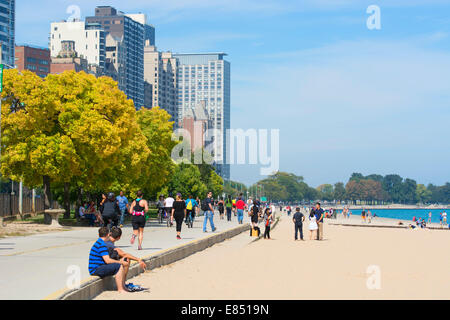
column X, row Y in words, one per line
column 9, row 205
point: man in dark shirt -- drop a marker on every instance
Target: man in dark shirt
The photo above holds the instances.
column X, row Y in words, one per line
column 209, row 212
column 110, row 211
column 318, row 211
column 298, row 219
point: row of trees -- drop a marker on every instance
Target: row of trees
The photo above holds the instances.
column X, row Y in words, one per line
column 283, row 186
column 395, row 189
column 373, row 188
column 80, row 134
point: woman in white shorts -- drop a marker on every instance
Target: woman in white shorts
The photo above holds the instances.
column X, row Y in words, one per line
column 312, row 225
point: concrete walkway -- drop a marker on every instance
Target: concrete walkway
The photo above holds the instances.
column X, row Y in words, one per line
column 36, row 266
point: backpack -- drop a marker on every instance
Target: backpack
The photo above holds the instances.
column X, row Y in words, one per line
column 205, row 206
column 189, row 205
column 255, row 209
column 109, row 209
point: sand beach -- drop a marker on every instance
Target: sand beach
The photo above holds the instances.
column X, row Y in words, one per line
column 351, row 262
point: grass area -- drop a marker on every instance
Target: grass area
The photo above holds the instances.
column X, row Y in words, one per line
column 12, row 234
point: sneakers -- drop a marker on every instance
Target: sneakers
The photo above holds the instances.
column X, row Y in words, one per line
column 133, row 288
column 214, row 230
column 178, row 237
column 133, row 237
column 139, row 248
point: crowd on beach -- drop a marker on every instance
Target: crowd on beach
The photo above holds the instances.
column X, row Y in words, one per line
column 107, row 260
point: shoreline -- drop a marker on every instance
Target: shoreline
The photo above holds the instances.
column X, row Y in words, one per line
column 356, row 219
column 391, row 207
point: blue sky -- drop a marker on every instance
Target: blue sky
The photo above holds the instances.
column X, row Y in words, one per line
column 346, row 99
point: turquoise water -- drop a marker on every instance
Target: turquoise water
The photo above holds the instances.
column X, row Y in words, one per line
column 405, row 214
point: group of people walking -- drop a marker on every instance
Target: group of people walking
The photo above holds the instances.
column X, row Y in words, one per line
column 112, row 212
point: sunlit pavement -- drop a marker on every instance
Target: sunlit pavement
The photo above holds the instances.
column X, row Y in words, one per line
column 36, row 266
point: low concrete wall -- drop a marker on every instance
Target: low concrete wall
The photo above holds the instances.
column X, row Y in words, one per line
column 93, row 286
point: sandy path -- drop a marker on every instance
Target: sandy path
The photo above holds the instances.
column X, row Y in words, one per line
column 414, row 264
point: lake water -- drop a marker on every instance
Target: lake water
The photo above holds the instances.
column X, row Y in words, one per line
column 404, row 214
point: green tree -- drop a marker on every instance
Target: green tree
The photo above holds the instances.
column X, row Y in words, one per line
column 326, row 192
column 423, row 195
column 339, row 191
column 215, row 184
column 186, row 179
column 392, row 184
column 409, row 188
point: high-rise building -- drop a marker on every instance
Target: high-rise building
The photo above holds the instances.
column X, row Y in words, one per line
column 196, row 121
column 129, row 35
column 149, row 29
column 89, row 40
column 7, row 31
column 160, row 71
column 115, row 60
column 206, row 77
column 34, row 59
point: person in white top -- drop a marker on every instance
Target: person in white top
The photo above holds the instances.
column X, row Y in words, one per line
column 82, row 211
column 168, row 204
column 249, row 204
column 444, row 217
column 312, row 225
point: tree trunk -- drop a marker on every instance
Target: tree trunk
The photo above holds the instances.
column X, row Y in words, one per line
column 79, row 202
column 67, row 200
column 47, row 198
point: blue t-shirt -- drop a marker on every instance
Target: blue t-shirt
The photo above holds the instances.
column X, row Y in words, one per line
column 123, row 201
column 318, row 213
column 98, row 250
column 194, row 203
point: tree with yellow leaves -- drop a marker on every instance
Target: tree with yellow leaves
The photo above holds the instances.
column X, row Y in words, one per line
column 68, row 128
column 157, row 128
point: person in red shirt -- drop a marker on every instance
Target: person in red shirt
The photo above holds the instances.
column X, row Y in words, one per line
column 240, row 206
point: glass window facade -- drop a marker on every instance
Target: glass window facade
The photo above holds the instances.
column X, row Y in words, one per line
column 7, row 30
column 206, row 78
